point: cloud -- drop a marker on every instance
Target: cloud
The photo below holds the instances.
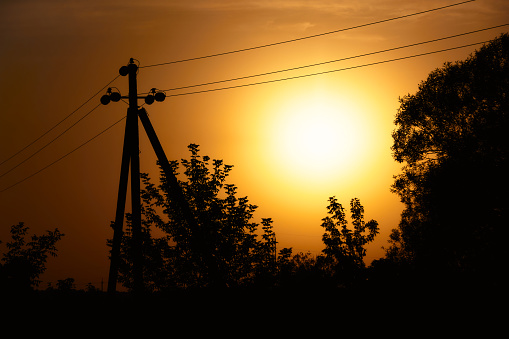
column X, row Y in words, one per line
column 264, row 4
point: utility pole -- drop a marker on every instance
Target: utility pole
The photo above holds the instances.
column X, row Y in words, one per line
column 131, row 157
column 134, row 150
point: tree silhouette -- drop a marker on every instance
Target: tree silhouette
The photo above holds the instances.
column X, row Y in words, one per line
column 345, row 248
column 452, row 137
column 302, row 272
column 24, row 261
column 65, row 285
column 225, row 251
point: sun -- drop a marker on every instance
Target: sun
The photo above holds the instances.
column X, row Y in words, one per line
column 317, row 137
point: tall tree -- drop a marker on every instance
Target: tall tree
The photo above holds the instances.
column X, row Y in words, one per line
column 344, row 247
column 228, row 249
column 452, row 137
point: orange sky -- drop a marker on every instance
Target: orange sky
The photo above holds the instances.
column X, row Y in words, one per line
column 292, row 143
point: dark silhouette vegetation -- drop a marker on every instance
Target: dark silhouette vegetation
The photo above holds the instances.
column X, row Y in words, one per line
column 451, row 137
column 25, row 259
column 230, row 250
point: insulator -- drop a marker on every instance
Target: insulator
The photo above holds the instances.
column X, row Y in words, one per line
column 105, row 99
column 115, row 96
column 123, row 71
column 149, row 99
column 160, row 96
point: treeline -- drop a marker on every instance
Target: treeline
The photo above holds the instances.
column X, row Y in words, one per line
column 227, row 248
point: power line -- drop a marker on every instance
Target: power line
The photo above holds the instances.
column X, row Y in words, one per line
column 62, row 157
column 336, row 60
column 61, row 121
column 258, row 83
column 251, row 84
column 49, row 143
column 307, row 37
column 326, row 72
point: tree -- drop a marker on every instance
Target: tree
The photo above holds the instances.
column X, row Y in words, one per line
column 265, row 260
column 24, row 261
column 302, row 271
column 452, row 137
column 66, row 285
column 225, row 250
column 345, row 248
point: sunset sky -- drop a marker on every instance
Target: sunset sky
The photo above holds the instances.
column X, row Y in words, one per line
column 293, row 143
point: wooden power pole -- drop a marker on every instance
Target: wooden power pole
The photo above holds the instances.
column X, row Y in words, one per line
column 130, row 158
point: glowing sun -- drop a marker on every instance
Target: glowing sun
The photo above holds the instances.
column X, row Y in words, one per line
column 318, row 136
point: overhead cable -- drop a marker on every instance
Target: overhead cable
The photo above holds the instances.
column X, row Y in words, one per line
column 60, row 122
column 336, row 60
column 309, row 36
column 50, row 142
column 62, row 157
column 327, row 72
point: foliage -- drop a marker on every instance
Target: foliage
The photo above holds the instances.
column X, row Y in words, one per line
column 24, row 261
column 301, row 271
column 452, row 138
column 228, row 249
column 345, row 248
column 224, row 250
column 66, row 285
